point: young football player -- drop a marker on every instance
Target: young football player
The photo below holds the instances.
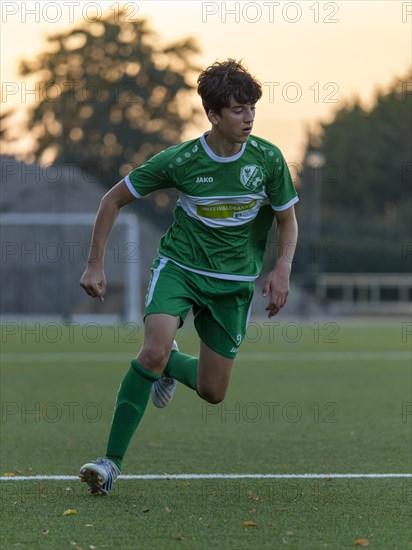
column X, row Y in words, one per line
column 231, row 185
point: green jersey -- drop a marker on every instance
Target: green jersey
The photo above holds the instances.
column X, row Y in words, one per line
column 224, row 206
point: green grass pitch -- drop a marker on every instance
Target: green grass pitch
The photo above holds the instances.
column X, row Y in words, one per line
column 327, row 397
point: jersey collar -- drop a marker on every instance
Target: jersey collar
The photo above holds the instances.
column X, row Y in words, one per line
column 215, row 157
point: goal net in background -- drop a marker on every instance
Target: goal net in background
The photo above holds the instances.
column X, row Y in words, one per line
column 43, row 256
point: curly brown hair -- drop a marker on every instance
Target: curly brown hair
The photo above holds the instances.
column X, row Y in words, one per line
column 220, row 81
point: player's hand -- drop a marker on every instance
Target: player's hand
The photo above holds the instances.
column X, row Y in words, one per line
column 93, row 281
column 277, row 288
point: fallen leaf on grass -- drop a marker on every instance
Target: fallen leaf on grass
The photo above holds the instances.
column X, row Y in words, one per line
column 70, row 512
column 9, row 474
column 248, row 523
column 289, row 533
column 361, row 542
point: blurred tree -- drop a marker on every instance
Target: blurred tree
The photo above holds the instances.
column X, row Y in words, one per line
column 108, row 97
column 364, row 187
column 368, row 169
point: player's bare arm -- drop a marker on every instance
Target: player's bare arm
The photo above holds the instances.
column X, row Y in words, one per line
column 276, row 285
column 93, row 279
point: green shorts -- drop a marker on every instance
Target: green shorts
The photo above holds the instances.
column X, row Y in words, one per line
column 221, row 308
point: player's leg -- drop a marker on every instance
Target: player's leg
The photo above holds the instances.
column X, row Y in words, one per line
column 132, row 400
column 183, row 368
column 221, row 326
column 135, row 388
column 221, row 316
column 134, row 391
column 213, row 374
column 208, row 375
column 177, row 297
column 159, row 334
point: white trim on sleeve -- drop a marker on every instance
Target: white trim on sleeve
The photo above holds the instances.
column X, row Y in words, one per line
column 285, row 206
column 131, row 188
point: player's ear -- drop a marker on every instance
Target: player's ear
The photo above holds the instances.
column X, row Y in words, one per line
column 213, row 117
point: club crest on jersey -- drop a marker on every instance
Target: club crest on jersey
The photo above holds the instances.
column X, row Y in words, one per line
column 251, row 176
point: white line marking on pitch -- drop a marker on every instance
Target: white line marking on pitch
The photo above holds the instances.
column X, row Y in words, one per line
column 245, row 356
column 217, row 476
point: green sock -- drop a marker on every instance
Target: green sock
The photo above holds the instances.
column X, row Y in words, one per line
column 182, row 368
column 129, row 409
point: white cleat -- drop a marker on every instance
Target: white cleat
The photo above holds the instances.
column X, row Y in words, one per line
column 99, row 475
column 163, row 389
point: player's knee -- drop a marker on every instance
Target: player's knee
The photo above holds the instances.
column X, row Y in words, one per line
column 153, row 358
column 214, row 400
column 212, row 397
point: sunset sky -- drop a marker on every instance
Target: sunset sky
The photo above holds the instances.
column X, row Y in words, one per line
column 311, row 56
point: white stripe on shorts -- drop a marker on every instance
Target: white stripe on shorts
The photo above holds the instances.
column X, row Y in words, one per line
column 156, row 273
column 249, row 311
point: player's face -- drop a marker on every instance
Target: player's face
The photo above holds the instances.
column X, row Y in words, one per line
column 236, row 121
